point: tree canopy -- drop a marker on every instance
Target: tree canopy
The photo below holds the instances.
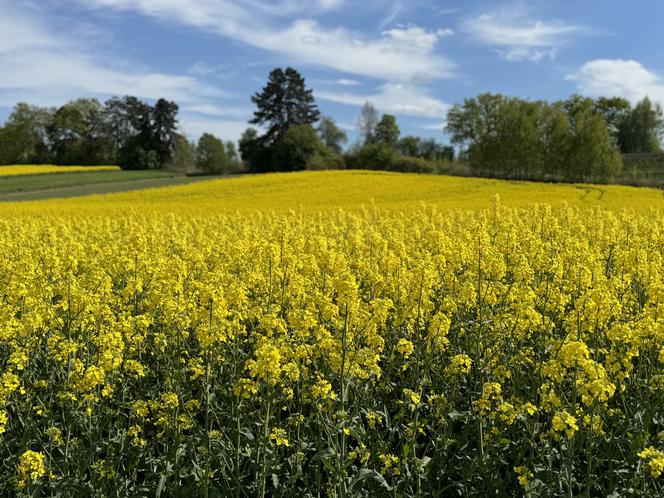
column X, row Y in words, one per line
column 284, row 102
column 515, row 138
column 286, row 109
column 124, row 131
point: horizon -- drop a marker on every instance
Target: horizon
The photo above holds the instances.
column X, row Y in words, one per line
column 413, row 61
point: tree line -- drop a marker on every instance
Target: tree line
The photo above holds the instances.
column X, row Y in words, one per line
column 287, row 111
column 124, row 131
column 578, row 139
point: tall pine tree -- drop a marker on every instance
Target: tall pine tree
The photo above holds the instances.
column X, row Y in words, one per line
column 283, row 103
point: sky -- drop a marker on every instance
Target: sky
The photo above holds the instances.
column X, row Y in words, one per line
column 411, row 58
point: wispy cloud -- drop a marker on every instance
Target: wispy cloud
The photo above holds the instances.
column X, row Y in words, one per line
column 618, row 77
column 46, row 67
column 517, row 35
column 402, row 53
column 440, row 126
column 194, row 125
column 395, row 98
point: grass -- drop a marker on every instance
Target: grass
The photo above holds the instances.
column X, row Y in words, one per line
column 28, row 183
column 64, row 185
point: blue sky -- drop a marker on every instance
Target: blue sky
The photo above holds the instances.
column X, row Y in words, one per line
column 412, row 58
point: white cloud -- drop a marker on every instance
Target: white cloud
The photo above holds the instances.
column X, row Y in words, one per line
column 36, row 61
column 402, row 53
column 347, row 82
column 194, row 126
column 434, row 126
column 395, row 98
column 47, row 68
column 618, row 77
column 517, row 36
column 414, row 38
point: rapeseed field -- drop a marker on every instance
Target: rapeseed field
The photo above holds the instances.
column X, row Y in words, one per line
column 40, row 169
column 334, row 334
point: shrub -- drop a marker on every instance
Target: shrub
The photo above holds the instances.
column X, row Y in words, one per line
column 412, row 165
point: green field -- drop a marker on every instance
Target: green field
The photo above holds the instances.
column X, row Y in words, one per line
column 45, row 186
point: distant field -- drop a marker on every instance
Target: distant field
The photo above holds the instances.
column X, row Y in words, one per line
column 40, row 169
column 72, row 184
column 110, row 186
column 329, row 190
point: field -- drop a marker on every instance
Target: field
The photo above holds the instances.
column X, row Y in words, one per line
column 41, row 184
column 41, row 169
column 334, row 334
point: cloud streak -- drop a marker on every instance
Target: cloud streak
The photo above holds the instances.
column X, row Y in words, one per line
column 517, row 36
column 395, row 98
column 400, row 54
column 47, row 68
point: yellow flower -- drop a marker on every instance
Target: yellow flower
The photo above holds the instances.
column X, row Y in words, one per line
column 30, row 467
column 278, row 435
column 322, row 390
column 170, row 401
column 55, row 434
column 412, row 397
column 525, row 475
column 654, row 459
column 405, row 347
column 564, row 422
column 459, row 365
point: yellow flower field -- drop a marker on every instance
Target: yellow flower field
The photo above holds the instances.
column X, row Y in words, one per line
column 40, row 169
column 334, row 334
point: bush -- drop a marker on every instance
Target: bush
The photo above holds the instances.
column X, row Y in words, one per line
column 372, row 156
column 297, row 148
column 326, row 160
column 412, row 165
column 643, row 168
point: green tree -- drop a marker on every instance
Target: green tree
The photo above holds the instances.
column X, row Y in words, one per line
column 143, row 135
column 640, row 130
column 24, row 137
column 255, row 154
column 387, row 131
column 131, row 132
column 332, row 136
column 514, row 138
column 128, row 117
column 211, row 155
column 297, row 148
column 500, row 133
column 79, row 134
column 184, row 154
column 283, row 103
column 576, row 105
column 409, row 146
column 614, row 110
column 431, row 150
column 367, row 122
column 163, row 129
column 476, row 120
column 592, row 155
column 556, row 138
column 231, row 152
